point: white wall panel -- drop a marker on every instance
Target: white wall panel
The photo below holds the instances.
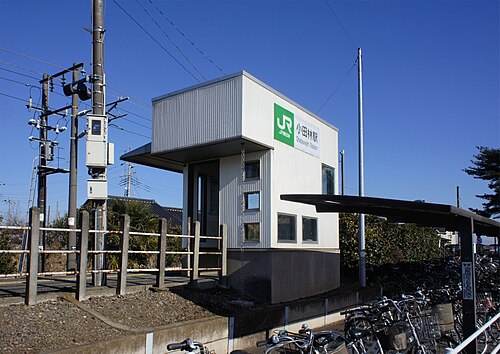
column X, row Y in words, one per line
column 230, row 199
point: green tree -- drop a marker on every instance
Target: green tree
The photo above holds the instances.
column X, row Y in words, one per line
column 486, row 166
column 141, row 220
column 386, row 242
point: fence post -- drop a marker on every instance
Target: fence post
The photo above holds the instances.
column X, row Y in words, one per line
column 196, row 252
column 223, row 271
column 83, row 246
column 124, row 241
column 33, row 240
column 162, row 246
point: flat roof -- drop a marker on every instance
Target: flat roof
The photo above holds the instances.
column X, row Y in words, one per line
column 251, row 77
column 402, row 211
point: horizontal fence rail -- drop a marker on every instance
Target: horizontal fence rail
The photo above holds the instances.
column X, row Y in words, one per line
column 36, row 252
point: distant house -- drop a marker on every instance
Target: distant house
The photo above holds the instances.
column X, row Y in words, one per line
column 169, row 213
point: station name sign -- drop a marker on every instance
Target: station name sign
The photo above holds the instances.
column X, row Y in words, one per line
column 295, row 131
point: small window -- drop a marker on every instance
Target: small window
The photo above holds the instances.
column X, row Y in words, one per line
column 252, row 232
column 252, row 170
column 96, row 127
column 309, row 229
column 328, row 180
column 287, row 228
column 252, row 201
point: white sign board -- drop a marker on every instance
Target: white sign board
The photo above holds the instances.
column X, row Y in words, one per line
column 306, row 137
column 467, row 284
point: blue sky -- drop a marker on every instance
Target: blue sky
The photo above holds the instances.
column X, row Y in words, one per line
column 431, row 82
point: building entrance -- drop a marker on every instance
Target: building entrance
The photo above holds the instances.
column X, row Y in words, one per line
column 203, row 192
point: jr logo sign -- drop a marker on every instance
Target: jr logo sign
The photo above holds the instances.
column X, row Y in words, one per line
column 283, row 125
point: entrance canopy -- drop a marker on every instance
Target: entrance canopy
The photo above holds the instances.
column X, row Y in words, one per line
column 175, row 160
column 402, row 211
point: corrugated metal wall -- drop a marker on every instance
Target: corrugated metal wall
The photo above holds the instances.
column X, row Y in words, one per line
column 230, row 199
column 203, row 115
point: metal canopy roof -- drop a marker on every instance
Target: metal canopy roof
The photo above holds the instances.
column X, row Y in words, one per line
column 424, row 214
column 415, row 212
column 175, row 160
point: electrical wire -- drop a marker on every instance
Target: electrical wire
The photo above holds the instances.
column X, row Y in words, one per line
column 170, row 40
column 128, row 131
column 28, row 57
column 21, row 74
column 14, row 97
column 340, row 23
column 185, row 37
column 338, row 86
column 131, row 98
column 136, row 123
column 135, row 114
column 154, row 39
column 21, row 67
column 19, row 82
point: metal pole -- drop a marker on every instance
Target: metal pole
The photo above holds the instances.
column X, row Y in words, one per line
column 362, row 252
column 467, row 259
column 73, row 175
column 42, row 163
column 342, row 152
column 458, row 196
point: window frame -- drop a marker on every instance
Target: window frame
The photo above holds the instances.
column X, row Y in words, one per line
column 245, row 196
column 324, row 167
column 294, row 240
column 245, row 239
column 258, row 170
column 309, row 241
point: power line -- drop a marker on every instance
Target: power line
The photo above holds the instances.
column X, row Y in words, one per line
column 338, row 86
column 187, row 39
column 170, row 39
column 131, row 97
column 134, row 122
column 21, row 67
column 150, row 36
column 14, row 97
column 128, row 131
column 135, row 114
column 18, row 73
column 28, row 57
column 18, row 82
column 340, row 23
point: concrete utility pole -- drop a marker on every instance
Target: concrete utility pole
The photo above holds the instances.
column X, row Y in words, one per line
column 99, row 109
column 362, row 251
column 42, row 163
column 73, row 175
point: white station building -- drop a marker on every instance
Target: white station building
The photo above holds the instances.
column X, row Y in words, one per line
column 241, row 144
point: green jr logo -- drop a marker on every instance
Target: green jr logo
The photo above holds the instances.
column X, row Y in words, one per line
column 283, row 125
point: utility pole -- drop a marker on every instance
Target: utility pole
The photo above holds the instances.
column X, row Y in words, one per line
column 458, row 196
column 342, row 152
column 99, row 109
column 129, row 178
column 42, row 163
column 362, row 250
column 73, row 175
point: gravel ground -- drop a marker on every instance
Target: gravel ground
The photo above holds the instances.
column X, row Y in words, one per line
column 59, row 324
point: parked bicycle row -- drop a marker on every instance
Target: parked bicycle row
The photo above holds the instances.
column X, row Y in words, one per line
column 416, row 323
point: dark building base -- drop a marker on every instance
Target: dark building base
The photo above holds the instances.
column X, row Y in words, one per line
column 278, row 275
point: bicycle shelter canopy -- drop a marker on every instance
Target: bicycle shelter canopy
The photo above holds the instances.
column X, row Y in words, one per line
column 423, row 214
